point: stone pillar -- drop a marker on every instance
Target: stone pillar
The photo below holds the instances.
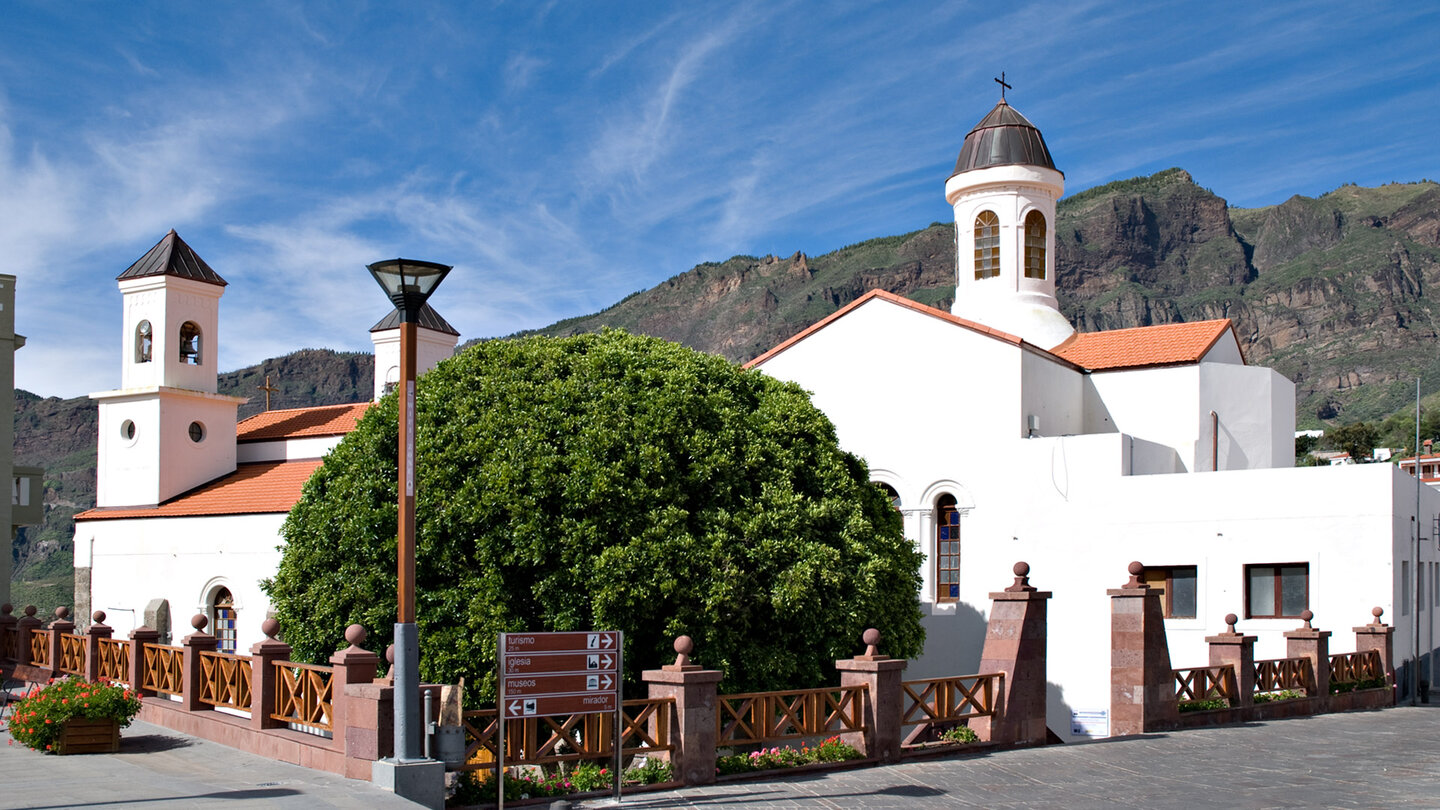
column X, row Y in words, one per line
column 1142, row 685
column 884, row 703
column 7, row 633
column 139, row 637
column 193, row 672
column 369, row 722
column 23, row 626
column 1307, row 642
column 98, row 630
column 1237, row 650
column 352, row 666
column 61, row 626
column 695, row 691
column 1015, row 645
column 263, row 655
column 1376, row 635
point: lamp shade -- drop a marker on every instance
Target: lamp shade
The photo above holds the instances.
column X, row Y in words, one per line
column 408, row 282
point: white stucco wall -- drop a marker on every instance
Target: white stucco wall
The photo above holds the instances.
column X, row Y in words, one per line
column 183, row 560
column 430, row 348
column 161, row 461
column 286, row 450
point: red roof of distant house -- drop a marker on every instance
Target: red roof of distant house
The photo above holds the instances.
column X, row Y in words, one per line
column 296, row 423
column 260, row 488
column 1164, row 345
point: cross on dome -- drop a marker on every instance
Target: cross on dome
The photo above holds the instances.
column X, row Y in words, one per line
column 1003, row 86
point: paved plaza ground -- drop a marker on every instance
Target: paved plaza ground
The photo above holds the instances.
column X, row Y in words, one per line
column 1383, row 759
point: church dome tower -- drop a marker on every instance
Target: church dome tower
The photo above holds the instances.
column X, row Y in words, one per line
column 165, row 430
column 1004, row 190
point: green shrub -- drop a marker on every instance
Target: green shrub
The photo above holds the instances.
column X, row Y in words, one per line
column 959, row 735
column 36, row 720
column 1206, row 705
column 766, row 759
column 1271, row 697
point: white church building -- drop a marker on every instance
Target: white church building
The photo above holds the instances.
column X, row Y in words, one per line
column 189, row 502
column 1003, row 435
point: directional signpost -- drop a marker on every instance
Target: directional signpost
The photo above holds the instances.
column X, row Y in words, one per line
column 547, row 674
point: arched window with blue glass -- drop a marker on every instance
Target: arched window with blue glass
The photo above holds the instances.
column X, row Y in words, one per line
column 223, row 608
column 947, row 549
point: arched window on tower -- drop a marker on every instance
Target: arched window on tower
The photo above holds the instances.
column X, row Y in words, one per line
column 987, row 245
column 947, row 550
column 144, row 342
column 224, row 624
column 1035, row 245
column 190, row 343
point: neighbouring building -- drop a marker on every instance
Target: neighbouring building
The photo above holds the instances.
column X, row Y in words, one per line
column 190, row 501
column 1003, row 435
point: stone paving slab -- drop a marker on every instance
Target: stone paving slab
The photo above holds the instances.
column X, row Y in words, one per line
column 1377, row 759
column 159, row 769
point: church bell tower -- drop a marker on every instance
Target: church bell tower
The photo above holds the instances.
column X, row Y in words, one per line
column 165, row 430
column 1004, row 189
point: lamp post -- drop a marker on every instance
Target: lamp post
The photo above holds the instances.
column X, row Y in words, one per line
column 408, row 283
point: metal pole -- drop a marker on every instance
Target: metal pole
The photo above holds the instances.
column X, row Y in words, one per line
column 407, row 642
column 1415, row 576
column 619, row 735
column 500, row 730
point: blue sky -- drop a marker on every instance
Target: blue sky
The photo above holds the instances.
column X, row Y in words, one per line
column 565, row 154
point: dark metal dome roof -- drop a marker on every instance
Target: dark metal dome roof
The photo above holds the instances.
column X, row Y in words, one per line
column 172, row 257
column 1004, row 137
column 428, row 319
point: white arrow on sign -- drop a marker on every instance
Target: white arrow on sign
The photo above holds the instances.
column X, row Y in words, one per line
column 607, row 640
column 607, row 661
column 608, row 682
column 515, row 707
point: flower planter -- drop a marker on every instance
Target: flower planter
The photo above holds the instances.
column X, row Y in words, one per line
column 80, row 736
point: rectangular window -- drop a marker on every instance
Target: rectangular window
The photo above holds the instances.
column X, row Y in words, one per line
column 1420, row 586
column 1404, row 587
column 1277, row 591
column 1177, row 583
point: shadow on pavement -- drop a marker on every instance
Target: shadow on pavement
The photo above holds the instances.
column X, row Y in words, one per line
column 264, row 793
column 152, row 743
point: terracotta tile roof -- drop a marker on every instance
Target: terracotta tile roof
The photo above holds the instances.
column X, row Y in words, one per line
column 1169, row 344
column 894, row 299
column 295, row 423
column 266, row 487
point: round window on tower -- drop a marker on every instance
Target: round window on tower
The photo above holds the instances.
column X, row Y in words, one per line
column 127, row 430
column 197, row 432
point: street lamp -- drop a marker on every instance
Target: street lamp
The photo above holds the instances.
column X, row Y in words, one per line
column 408, row 283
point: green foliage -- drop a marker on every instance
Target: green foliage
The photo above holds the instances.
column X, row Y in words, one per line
column 37, row 719
column 1287, row 694
column 605, row 481
column 1357, row 439
column 1341, row 687
column 585, row 777
column 768, row 759
column 959, row 735
column 1206, row 705
column 1303, row 445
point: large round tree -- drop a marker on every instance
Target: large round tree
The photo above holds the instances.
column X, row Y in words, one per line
column 610, row 482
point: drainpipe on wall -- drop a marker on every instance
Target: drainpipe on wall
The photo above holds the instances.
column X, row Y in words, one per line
column 1214, row 442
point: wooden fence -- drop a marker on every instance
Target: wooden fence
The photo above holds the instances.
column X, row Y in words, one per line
column 940, row 702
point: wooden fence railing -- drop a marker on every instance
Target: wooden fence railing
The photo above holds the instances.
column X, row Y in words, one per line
column 1206, row 683
column 939, row 701
column 40, row 648
column 8, row 643
column 1280, row 674
column 72, row 654
column 114, row 662
column 544, row 740
column 164, row 669
column 1347, row 668
column 303, row 696
column 225, row 680
column 757, row 718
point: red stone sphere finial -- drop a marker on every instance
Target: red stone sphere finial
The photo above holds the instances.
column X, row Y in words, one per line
column 1231, row 619
column 684, row 647
column 30, row 611
column 1022, row 569
column 871, row 639
column 1377, row 612
column 390, row 655
column 7, row 609
column 270, row 627
column 355, row 634
column 98, row 617
column 1022, row 578
column 198, row 621
column 1135, row 568
column 1306, row 616
column 62, row 613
